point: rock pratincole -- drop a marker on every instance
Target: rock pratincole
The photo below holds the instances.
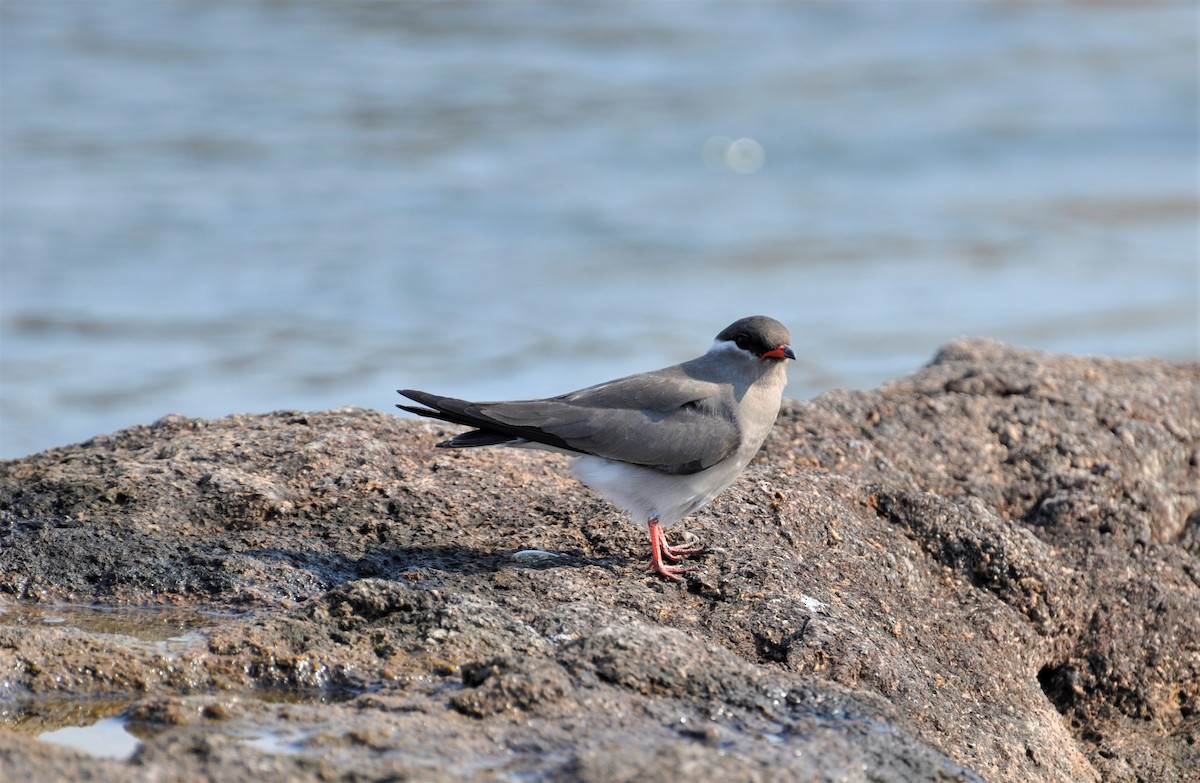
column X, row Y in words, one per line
column 659, row 444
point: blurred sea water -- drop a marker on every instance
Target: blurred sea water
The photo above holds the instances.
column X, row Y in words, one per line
column 211, row 207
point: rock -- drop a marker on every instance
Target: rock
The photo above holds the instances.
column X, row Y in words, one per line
column 988, row 570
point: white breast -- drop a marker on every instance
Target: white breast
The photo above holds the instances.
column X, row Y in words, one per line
column 646, row 493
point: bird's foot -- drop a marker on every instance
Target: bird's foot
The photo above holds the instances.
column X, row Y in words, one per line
column 690, row 546
column 660, row 549
column 657, row 566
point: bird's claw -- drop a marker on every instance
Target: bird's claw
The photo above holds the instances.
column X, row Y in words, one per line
column 660, row 550
column 674, row 573
column 690, row 546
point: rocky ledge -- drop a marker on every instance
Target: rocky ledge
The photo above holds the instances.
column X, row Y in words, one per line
column 989, row 570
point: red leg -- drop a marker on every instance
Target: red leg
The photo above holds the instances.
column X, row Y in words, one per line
column 659, row 549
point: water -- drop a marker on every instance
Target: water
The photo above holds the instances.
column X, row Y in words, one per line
column 100, row 725
column 106, row 738
column 214, row 207
column 168, row 631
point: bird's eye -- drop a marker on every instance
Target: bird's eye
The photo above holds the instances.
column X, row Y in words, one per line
column 742, row 341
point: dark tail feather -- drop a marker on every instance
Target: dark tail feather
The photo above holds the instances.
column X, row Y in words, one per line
column 489, row 432
column 436, row 407
column 428, row 413
column 463, row 440
column 466, row 440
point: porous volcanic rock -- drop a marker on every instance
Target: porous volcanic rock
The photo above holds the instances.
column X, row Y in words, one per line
column 986, row 571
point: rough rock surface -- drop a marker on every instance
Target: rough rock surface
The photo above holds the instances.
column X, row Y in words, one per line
column 989, row 570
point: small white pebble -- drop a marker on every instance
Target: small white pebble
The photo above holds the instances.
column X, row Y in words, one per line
column 813, row 604
column 534, row 555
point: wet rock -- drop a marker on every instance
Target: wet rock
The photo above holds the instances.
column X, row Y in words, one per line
column 501, row 684
column 987, row 570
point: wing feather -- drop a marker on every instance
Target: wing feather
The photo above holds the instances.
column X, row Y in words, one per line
column 662, row 420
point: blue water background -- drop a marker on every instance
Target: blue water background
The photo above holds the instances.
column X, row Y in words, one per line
column 214, row 207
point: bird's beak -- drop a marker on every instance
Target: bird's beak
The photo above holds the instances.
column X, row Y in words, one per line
column 781, row 352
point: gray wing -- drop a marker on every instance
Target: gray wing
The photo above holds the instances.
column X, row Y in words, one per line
column 660, row 420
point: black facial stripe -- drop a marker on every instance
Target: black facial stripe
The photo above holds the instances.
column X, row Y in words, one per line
column 756, row 334
column 749, row 343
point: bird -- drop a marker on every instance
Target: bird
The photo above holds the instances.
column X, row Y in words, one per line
column 659, row 444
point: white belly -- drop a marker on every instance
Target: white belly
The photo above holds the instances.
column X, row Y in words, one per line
column 646, row 493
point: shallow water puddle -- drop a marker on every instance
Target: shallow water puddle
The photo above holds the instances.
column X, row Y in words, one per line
column 43, row 716
column 106, row 738
column 113, row 736
column 92, row 724
column 162, row 630
column 147, row 623
column 276, row 742
column 100, row 728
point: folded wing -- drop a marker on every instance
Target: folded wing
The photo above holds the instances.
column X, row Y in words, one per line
column 656, row 422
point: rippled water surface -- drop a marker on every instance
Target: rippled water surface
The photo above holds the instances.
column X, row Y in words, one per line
column 209, row 207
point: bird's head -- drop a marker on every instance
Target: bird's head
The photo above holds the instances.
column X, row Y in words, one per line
column 759, row 337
